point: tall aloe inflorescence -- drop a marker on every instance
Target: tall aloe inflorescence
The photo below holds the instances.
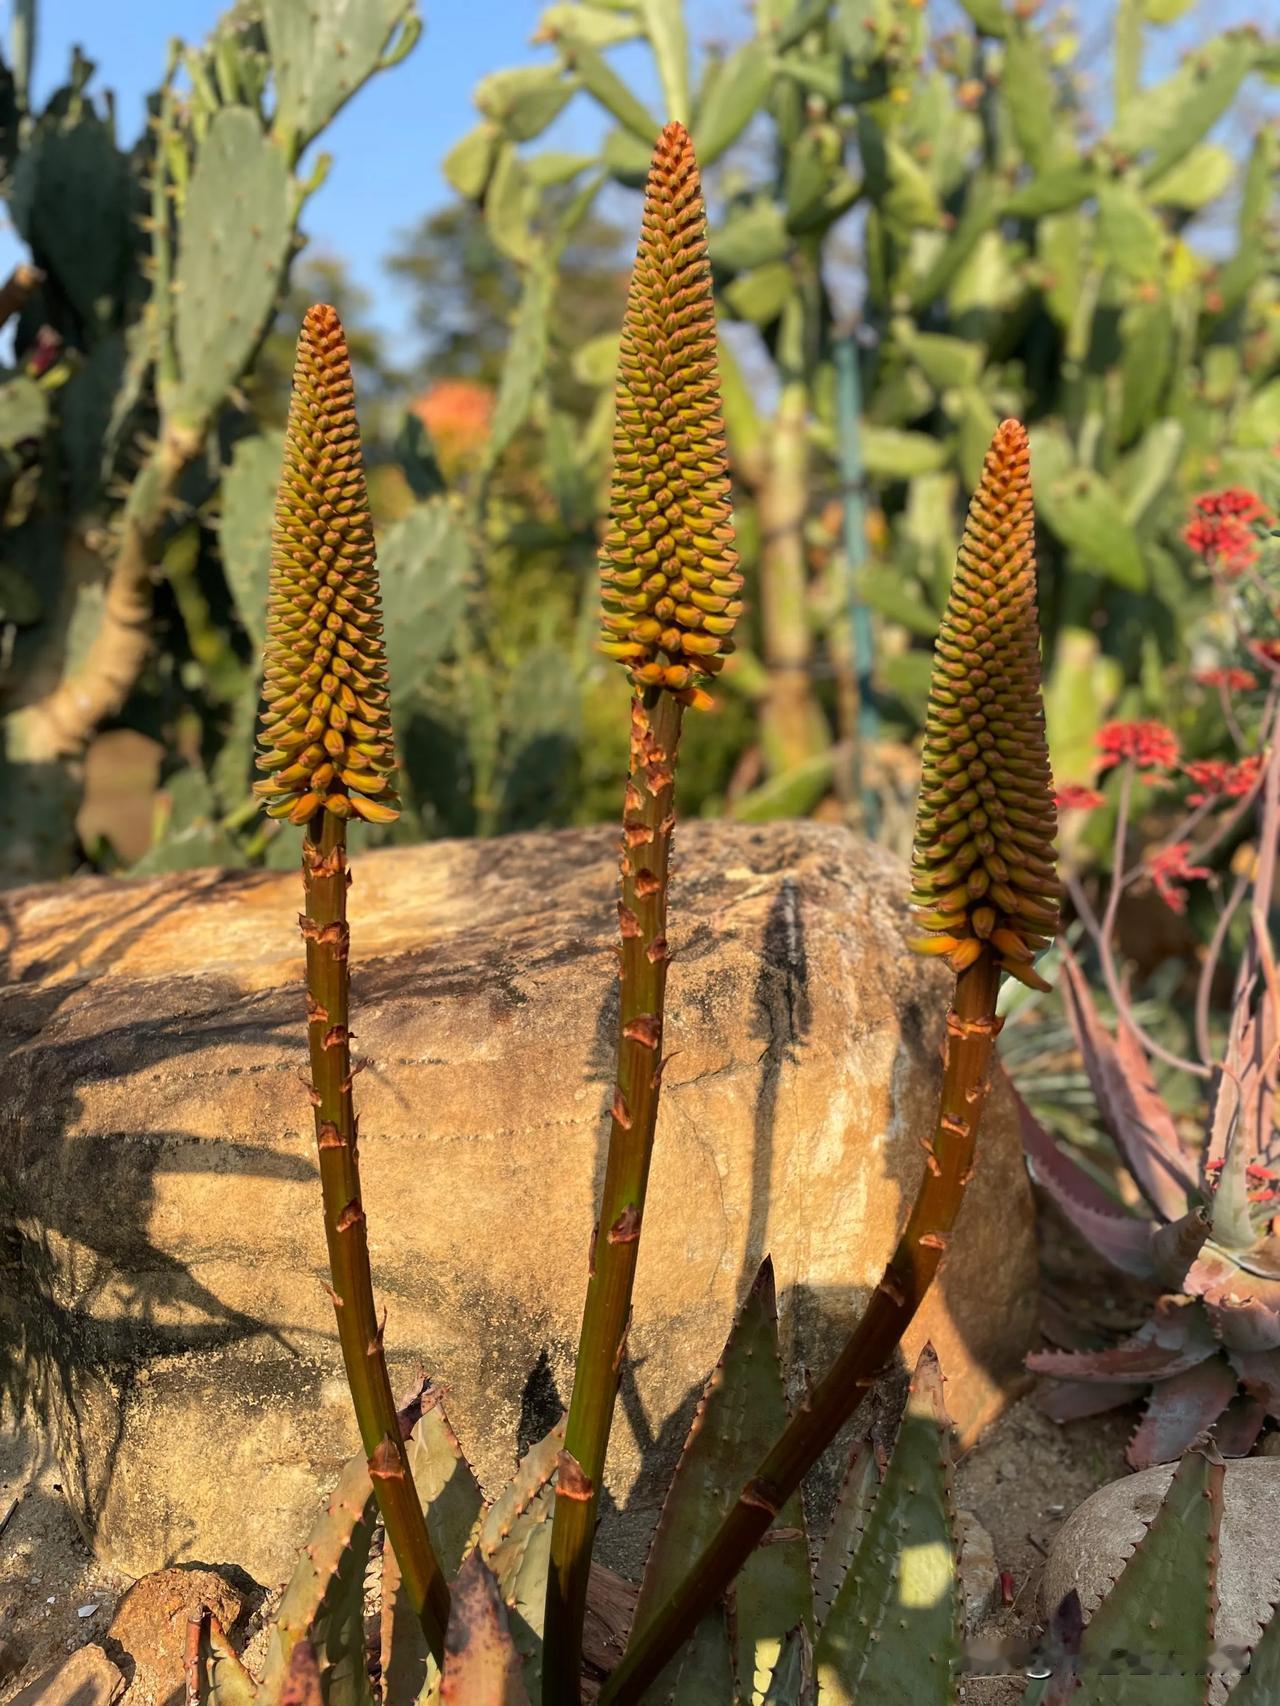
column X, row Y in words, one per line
column 984, row 870
column 671, row 598
column 327, row 750
column 984, row 873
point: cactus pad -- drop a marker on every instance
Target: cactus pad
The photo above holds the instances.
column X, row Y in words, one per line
column 984, row 878
column 236, row 229
column 326, row 736
column 670, row 571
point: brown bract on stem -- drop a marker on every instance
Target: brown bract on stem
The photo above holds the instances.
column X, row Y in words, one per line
column 986, row 894
column 671, row 586
column 327, row 749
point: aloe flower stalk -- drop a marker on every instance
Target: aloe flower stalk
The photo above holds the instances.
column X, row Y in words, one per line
column 671, row 586
column 326, row 746
column 985, row 884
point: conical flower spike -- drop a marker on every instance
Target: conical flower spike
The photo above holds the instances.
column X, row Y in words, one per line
column 984, row 867
column 326, row 731
column 670, row 571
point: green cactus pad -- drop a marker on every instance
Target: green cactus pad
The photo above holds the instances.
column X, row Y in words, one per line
column 320, row 56
column 235, row 232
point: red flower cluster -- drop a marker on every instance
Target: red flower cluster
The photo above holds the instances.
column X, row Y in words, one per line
column 1072, row 797
column 1218, row 780
column 1151, row 746
column 1222, row 528
column 1267, row 651
column 1234, row 680
column 1167, row 868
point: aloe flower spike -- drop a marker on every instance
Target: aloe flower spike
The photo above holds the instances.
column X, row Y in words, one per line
column 671, row 585
column 984, row 876
column 983, row 868
column 327, row 749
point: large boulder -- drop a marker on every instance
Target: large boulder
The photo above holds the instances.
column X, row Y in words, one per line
column 158, row 1165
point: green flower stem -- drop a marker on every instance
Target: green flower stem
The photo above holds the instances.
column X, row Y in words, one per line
column 324, row 927
column 971, row 1030
column 648, row 820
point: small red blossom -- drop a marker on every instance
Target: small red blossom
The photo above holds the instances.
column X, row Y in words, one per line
column 1167, row 868
column 1216, row 779
column 1151, row 746
column 1266, row 651
column 1234, row 680
column 1222, row 528
column 1072, row 797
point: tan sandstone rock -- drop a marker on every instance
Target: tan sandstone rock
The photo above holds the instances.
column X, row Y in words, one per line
column 158, row 1162
column 149, row 1628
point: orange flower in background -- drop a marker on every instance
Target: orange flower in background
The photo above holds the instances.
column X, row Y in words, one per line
column 1216, row 779
column 1150, row 745
column 1072, row 797
column 1168, row 869
column 457, row 414
column 1223, row 529
column 1234, row 680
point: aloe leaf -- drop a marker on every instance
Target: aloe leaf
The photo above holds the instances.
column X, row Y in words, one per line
column 1159, row 1616
column 1176, row 1338
column 1260, row 1684
column 848, row 1523
column 702, row 1672
column 223, row 1679
column 1179, row 1410
column 792, row 1682
column 741, row 1412
column 1123, row 1239
column 1132, row 1109
column 481, row 1665
column 892, row 1634
column 324, row 1600
column 453, row 1503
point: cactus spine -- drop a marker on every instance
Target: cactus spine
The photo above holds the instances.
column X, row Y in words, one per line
column 326, row 745
column 991, row 633
column 670, row 592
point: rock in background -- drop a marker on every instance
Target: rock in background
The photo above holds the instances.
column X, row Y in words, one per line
column 160, row 1186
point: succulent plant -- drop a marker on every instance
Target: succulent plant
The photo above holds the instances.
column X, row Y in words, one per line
column 159, row 270
column 326, row 745
column 1151, row 1639
column 869, row 1622
column 1209, row 1357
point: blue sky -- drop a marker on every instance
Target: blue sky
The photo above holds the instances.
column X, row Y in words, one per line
column 388, row 143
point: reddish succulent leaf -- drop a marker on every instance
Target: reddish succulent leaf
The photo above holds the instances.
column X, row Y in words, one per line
column 1176, row 1339
column 1175, row 1246
column 1239, row 1426
column 1122, row 1239
column 1179, row 1410
column 1259, row 1373
column 1071, row 1400
column 1244, row 1308
column 481, row 1665
column 1131, row 1107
